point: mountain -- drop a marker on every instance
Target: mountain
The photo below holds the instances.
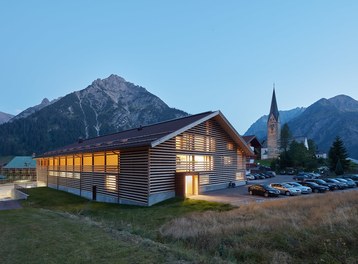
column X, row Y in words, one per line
column 29, row 111
column 322, row 121
column 259, row 128
column 328, row 118
column 4, row 117
column 106, row 106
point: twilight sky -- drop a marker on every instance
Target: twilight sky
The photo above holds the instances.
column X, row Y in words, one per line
column 195, row 55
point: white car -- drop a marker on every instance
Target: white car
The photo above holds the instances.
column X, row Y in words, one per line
column 286, row 189
column 304, row 189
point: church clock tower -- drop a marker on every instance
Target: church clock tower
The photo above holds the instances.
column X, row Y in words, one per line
column 273, row 129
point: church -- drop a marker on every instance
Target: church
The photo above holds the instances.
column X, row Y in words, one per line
column 271, row 150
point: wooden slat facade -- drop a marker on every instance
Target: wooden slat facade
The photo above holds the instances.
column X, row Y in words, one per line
column 207, row 139
column 206, row 150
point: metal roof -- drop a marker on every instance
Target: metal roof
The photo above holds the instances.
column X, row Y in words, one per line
column 147, row 136
column 21, row 162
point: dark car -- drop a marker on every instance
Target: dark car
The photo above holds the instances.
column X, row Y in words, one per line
column 341, row 185
column 353, row 178
column 300, row 177
column 350, row 183
column 263, row 189
column 331, row 186
column 315, row 187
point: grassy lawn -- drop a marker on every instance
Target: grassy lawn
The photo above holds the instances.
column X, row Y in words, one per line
column 57, row 227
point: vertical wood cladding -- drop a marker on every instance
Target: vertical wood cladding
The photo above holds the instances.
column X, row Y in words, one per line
column 207, row 139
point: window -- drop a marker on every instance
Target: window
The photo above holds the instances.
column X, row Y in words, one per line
column 228, row 161
column 195, row 142
column 112, row 161
column 240, row 160
column 239, row 176
column 230, row 146
column 77, row 162
column 194, row 163
column 98, row 162
column 111, row 182
column 204, row 179
column 87, row 162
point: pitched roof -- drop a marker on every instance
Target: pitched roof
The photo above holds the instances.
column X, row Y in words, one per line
column 148, row 136
column 21, row 162
column 273, row 108
column 252, row 140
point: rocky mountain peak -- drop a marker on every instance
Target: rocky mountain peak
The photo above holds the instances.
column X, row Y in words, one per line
column 344, row 103
column 45, row 101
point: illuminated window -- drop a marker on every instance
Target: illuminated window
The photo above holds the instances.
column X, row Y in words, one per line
column 112, row 161
column 194, row 163
column 240, row 160
column 111, row 182
column 98, row 162
column 228, row 160
column 69, row 163
column 195, row 142
column 204, row 179
column 87, row 162
column 230, row 146
column 77, row 162
column 239, row 176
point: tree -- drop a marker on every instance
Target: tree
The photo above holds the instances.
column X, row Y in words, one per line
column 339, row 168
column 286, row 137
column 336, row 153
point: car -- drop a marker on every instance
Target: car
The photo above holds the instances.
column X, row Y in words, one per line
column 341, row 185
column 263, row 189
column 331, row 186
column 286, row 189
column 316, row 188
column 350, row 183
column 300, row 177
column 304, row 189
column 250, row 177
column 352, row 178
column 270, row 174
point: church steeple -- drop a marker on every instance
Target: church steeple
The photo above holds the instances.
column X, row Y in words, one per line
column 274, row 108
column 273, row 129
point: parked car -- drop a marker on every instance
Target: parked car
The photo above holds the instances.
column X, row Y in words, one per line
column 300, row 177
column 354, row 178
column 341, row 185
column 350, row 183
column 270, row 174
column 263, row 189
column 286, row 189
column 331, row 186
column 304, row 189
column 250, row 177
column 316, row 188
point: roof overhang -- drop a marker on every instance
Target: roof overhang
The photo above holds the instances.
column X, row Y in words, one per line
column 224, row 123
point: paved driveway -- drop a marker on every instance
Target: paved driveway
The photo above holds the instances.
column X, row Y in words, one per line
column 239, row 195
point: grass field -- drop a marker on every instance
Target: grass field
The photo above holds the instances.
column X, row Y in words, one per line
column 57, row 227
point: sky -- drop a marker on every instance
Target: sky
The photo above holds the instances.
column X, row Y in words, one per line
column 196, row 55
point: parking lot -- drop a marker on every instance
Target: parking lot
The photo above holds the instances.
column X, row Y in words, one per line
column 239, row 195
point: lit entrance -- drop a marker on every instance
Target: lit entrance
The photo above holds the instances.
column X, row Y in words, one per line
column 191, row 185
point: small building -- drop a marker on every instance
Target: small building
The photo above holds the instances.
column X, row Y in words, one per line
column 149, row 164
column 255, row 146
column 20, row 168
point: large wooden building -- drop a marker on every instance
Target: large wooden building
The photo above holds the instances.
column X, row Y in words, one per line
column 149, row 164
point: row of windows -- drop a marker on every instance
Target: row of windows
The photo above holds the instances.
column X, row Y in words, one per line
column 110, row 180
column 98, row 162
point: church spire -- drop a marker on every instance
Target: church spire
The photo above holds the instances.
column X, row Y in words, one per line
column 274, row 109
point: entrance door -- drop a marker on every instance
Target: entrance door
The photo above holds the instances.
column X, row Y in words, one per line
column 191, row 185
